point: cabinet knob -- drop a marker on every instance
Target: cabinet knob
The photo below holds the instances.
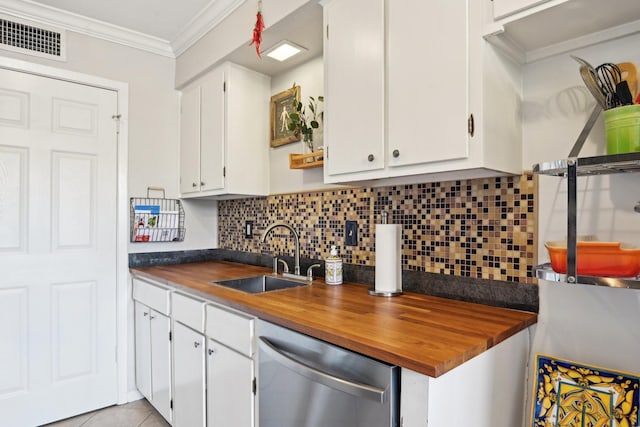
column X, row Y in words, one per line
column 211, row 351
column 396, row 153
column 146, row 313
column 196, row 344
column 201, row 184
column 371, row 157
column 194, row 185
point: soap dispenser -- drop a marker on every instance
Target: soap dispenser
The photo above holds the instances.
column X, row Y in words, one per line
column 333, row 268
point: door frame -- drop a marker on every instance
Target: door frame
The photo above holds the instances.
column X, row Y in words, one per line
column 122, row 198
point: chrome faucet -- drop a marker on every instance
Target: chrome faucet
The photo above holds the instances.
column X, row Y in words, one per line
column 296, row 239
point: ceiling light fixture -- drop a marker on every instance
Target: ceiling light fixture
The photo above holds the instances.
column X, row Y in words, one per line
column 283, row 50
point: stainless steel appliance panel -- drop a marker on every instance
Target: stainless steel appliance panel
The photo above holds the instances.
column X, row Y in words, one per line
column 305, row 382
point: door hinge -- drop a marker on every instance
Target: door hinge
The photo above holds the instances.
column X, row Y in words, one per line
column 116, row 118
column 254, row 385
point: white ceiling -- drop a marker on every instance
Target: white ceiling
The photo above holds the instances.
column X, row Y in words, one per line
column 169, row 27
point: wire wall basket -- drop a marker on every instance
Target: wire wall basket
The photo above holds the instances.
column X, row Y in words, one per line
column 156, row 219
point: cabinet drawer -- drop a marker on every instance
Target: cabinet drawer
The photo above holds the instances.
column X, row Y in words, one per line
column 152, row 295
column 231, row 328
column 188, row 311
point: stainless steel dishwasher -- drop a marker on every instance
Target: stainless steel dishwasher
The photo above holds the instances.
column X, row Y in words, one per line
column 305, row 382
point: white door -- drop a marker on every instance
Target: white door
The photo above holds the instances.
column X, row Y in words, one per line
column 188, row 377
column 230, row 397
column 159, row 327
column 212, row 131
column 354, row 107
column 58, row 147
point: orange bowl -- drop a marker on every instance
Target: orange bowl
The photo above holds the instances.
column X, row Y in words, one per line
column 610, row 259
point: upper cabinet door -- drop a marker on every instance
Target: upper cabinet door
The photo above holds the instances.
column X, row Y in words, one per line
column 190, row 140
column 212, row 128
column 427, row 81
column 354, row 86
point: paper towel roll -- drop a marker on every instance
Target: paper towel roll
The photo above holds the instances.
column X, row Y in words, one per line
column 388, row 258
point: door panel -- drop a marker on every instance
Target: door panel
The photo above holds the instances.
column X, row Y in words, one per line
column 13, row 215
column 143, row 349
column 13, row 318
column 58, row 181
column 14, row 108
column 230, row 398
column 188, row 377
column 161, row 363
column 73, row 321
column 354, row 103
column 212, row 155
column 435, row 86
column 73, row 201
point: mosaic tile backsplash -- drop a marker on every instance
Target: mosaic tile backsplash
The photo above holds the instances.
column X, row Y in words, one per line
column 481, row 228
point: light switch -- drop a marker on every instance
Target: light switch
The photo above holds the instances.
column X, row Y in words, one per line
column 351, row 233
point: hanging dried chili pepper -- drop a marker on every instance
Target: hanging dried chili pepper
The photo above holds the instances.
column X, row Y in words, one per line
column 257, row 30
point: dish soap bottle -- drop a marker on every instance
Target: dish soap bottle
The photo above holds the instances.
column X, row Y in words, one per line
column 333, row 268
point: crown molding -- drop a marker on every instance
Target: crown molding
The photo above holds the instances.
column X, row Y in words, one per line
column 208, row 18
column 201, row 24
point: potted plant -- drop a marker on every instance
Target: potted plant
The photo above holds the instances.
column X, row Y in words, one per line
column 304, row 119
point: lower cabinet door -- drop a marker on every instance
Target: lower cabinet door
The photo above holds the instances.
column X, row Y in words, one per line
column 230, row 395
column 188, row 377
column 153, row 358
column 143, row 349
column 160, row 363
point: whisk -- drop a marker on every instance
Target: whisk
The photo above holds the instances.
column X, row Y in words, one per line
column 609, row 76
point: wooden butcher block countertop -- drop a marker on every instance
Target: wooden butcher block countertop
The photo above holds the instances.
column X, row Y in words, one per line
column 427, row 334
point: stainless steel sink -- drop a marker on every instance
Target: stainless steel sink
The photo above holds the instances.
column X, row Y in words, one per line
column 259, row 284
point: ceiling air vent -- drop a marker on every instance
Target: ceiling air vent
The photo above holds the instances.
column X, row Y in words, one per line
column 31, row 38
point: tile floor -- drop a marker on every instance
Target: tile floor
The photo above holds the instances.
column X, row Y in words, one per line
column 134, row 414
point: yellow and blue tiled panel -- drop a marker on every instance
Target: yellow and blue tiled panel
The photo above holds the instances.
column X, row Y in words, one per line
column 569, row 394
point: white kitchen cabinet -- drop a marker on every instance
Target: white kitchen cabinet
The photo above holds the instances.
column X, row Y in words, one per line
column 153, row 345
column 421, row 108
column 354, row 114
column 486, row 391
column 224, row 134
column 188, row 362
column 230, row 368
column 230, row 394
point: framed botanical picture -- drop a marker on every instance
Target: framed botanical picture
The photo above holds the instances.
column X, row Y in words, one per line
column 282, row 105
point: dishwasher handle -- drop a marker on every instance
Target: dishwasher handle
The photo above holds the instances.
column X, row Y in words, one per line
column 365, row 391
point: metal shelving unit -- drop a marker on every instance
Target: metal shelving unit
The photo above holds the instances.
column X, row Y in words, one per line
column 572, row 168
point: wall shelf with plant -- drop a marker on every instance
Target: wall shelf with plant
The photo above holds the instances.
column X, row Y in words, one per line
column 302, row 121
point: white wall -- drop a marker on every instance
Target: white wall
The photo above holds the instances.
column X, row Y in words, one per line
column 310, row 77
column 555, row 109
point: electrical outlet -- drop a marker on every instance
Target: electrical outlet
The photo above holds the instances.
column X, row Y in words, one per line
column 351, row 233
column 248, row 229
